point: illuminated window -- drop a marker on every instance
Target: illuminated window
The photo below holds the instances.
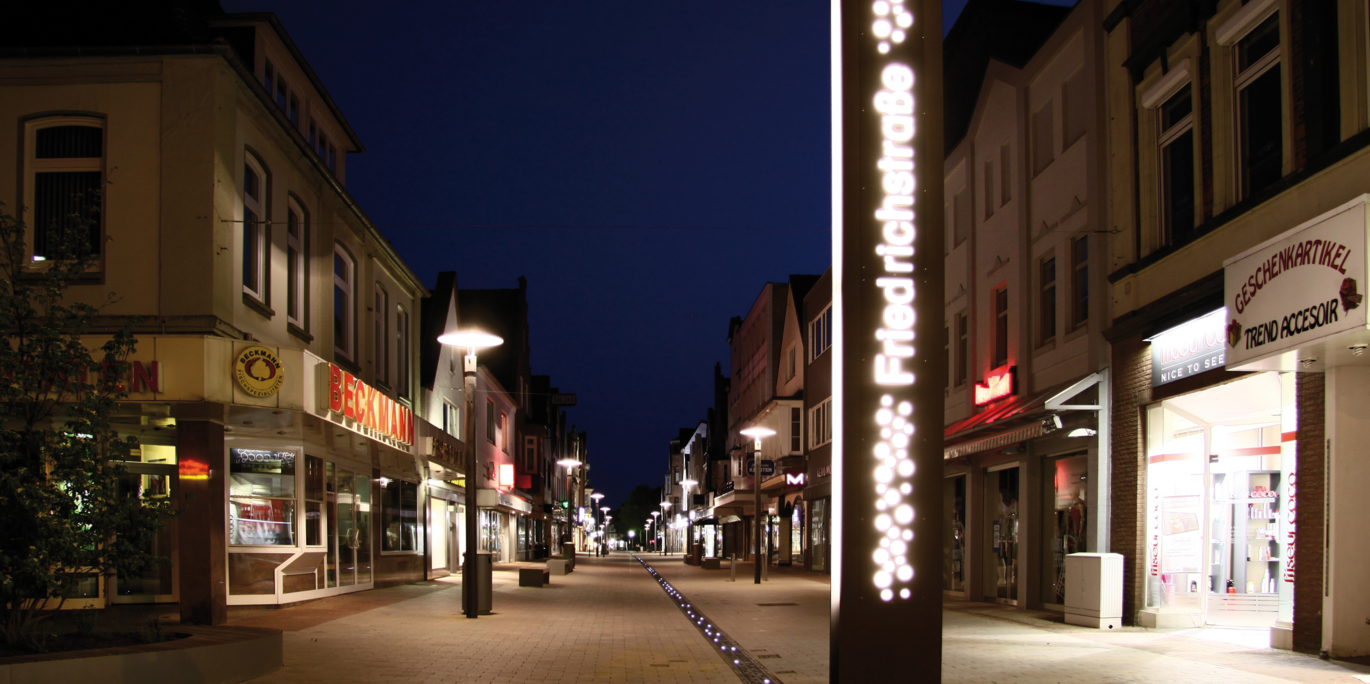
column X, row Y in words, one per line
column 502, row 437
column 296, row 264
column 400, row 526
column 1000, row 326
column 261, row 497
column 255, row 242
column 381, row 339
column 64, row 176
column 1177, row 165
column 796, row 429
column 401, row 352
column 1046, row 306
column 1260, row 114
column 962, row 348
column 820, row 424
column 1079, row 281
column 344, row 301
column 1043, row 142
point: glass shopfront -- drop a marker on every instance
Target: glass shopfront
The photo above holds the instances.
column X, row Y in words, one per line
column 797, row 534
column 954, row 533
column 1066, row 519
column 1219, row 477
column 818, row 535
column 152, row 476
column 1001, row 535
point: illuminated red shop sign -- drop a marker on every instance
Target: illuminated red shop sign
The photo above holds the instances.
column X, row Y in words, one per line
column 366, row 409
column 1001, row 382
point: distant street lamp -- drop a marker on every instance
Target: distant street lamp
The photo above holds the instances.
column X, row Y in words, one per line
column 568, row 464
column 665, row 535
column 685, row 486
column 756, row 433
column 470, row 340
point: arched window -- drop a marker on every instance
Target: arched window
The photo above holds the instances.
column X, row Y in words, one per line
column 297, row 265
column 64, row 176
column 255, row 220
column 344, row 303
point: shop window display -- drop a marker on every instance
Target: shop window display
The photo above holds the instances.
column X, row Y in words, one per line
column 1001, row 513
column 261, row 497
column 797, row 533
column 1219, row 479
column 818, row 535
column 954, row 533
column 1066, row 517
column 400, row 516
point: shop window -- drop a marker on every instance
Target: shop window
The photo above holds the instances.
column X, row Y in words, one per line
column 796, row 429
column 962, row 348
column 402, row 352
column 313, row 501
column 261, row 497
column 64, row 179
column 818, row 535
column 297, row 265
column 400, row 529
column 1000, row 298
column 1064, row 485
column 820, row 333
column 1043, row 142
column 954, row 533
column 381, row 335
column 1079, row 281
column 1260, row 112
column 1177, row 165
column 344, row 293
column 1046, row 300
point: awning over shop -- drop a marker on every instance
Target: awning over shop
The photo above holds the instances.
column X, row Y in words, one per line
column 1012, row 421
column 510, row 503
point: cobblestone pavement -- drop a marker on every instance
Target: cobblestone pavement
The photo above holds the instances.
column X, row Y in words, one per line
column 610, row 622
column 606, row 622
column 784, row 623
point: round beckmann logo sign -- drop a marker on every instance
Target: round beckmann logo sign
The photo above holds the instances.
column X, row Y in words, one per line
column 259, row 372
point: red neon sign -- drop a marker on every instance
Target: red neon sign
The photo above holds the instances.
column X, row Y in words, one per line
column 1001, row 382
column 359, row 404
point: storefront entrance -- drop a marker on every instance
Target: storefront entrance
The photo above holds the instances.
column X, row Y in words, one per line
column 954, row 534
column 1001, row 533
column 1220, row 462
column 152, row 480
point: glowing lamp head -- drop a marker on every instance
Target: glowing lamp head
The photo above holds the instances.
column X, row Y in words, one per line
column 655, row 514
column 568, row 462
column 688, row 483
column 604, row 509
column 596, row 496
column 470, row 339
column 665, row 504
column 757, row 432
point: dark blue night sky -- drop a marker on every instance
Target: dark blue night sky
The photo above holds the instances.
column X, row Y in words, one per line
column 647, row 165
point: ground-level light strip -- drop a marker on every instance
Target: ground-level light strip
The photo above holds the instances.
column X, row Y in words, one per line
column 736, row 657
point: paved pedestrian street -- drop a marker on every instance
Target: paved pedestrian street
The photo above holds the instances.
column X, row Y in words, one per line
column 610, row 621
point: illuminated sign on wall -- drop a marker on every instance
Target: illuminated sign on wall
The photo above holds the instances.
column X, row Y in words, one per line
column 1001, row 382
column 794, row 477
column 365, row 409
column 1189, row 349
column 506, row 476
column 887, row 296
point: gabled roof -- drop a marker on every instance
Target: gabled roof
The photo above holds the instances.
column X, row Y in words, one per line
column 1008, row 31
column 433, row 322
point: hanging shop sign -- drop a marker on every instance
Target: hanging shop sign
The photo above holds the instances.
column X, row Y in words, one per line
column 367, row 410
column 887, row 296
column 794, row 477
column 1189, row 348
column 1001, row 382
column 259, row 371
column 1299, row 288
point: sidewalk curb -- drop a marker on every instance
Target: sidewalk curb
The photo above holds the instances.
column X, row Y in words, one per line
column 743, row 664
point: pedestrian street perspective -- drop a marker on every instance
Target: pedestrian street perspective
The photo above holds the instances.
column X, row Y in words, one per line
column 284, row 406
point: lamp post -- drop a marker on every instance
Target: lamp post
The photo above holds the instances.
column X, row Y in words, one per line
column 568, row 464
column 685, row 486
column 597, row 497
column 470, row 340
column 756, row 433
column 665, row 536
column 656, row 530
column 604, row 525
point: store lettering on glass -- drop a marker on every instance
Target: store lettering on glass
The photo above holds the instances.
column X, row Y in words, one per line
column 1155, row 532
column 1291, row 515
column 368, row 410
column 895, row 219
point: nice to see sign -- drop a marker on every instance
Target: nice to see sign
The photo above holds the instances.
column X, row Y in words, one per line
column 1301, row 287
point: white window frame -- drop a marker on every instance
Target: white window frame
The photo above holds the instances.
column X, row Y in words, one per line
column 297, row 258
column 33, row 166
column 401, row 351
column 1243, row 79
column 346, row 347
column 255, row 235
column 820, row 333
column 381, row 330
column 820, row 424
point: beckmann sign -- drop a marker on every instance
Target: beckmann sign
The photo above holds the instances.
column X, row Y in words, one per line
column 1299, row 288
column 365, row 409
column 887, row 297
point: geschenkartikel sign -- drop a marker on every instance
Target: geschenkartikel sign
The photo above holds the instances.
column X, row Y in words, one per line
column 1299, row 288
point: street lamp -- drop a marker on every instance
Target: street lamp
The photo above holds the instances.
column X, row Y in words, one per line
column 685, row 485
column 666, row 505
column 472, row 341
column 656, row 529
column 567, row 463
column 597, row 496
column 756, row 433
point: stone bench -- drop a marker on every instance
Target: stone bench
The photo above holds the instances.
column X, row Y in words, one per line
column 710, row 564
column 559, row 566
column 534, row 577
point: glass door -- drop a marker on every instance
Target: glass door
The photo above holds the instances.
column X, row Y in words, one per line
column 1001, row 535
column 1065, row 518
column 156, row 583
column 954, row 533
column 349, row 551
